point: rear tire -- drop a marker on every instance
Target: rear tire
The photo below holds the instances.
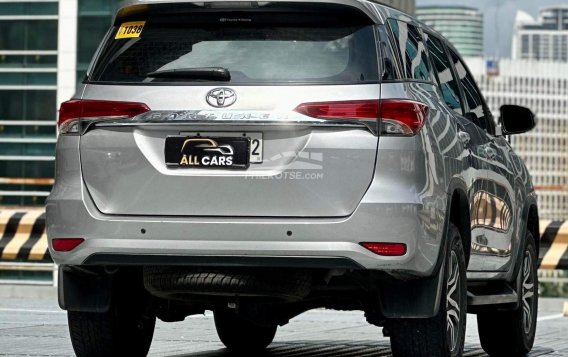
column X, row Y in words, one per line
column 241, row 335
column 512, row 333
column 126, row 329
column 444, row 334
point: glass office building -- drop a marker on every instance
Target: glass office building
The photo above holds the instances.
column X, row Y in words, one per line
column 461, row 25
column 40, row 40
column 28, row 85
column 545, row 38
column 94, row 19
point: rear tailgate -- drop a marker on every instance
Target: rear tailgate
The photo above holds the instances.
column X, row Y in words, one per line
column 307, row 169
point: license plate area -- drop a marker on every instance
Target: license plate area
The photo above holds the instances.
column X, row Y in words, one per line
column 256, row 141
column 200, row 152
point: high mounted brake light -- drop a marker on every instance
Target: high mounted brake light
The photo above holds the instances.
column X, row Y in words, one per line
column 398, row 117
column 71, row 111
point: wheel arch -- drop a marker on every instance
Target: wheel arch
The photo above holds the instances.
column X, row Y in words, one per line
column 459, row 215
column 426, row 292
column 533, row 224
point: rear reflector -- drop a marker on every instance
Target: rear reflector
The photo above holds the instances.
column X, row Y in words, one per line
column 79, row 108
column 386, row 249
column 355, row 109
column 65, row 244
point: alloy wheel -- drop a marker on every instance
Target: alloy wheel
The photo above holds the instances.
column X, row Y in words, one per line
column 528, row 287
column 453, row 302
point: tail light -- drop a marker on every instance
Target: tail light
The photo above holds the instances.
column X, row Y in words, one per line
column 386, row 249
column 398, row 117
column 356, row 109
column 71, row 111
column 402, row 117
column 65, row 244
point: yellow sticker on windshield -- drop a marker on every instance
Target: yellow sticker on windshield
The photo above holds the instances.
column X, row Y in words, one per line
column 130, row 29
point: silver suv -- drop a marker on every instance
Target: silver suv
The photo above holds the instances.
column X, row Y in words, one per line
column 261, row 159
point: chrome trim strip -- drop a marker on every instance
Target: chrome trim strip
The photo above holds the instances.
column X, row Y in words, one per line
column 210, row 118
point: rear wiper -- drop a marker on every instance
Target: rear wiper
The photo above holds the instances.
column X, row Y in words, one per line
column 207, row 73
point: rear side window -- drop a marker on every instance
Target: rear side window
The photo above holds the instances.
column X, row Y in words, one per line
column 410, row 50
column 390, row 68
column 475, row 110
column 443, row 67
column 254, row 52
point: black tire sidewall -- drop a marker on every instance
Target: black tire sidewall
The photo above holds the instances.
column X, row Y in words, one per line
column 126, row 329
column 502, row 332
column 528, row 339
column 455, row 244
column 109, row 334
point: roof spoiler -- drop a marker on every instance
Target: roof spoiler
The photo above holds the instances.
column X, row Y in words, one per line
column 134, row 10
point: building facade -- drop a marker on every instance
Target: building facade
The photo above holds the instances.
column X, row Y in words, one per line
column 545, row 38
column 28, row 84
column 41, row 61
column 461, row 25
column 408, row 6
column 541, row 86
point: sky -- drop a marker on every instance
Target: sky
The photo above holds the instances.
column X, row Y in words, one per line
column 499, row 18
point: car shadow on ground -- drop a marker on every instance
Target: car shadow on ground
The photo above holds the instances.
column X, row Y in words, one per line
column 336, row 348
column 332, row 349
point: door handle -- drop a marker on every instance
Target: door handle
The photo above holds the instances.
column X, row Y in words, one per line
column 464, row 137
column 490, row 152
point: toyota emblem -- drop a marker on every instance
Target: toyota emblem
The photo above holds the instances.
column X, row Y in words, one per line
column 221, row 97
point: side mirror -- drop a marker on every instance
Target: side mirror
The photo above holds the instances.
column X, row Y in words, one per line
column 516, row 119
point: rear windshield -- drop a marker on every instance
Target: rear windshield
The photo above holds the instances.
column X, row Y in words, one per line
column 252, row 53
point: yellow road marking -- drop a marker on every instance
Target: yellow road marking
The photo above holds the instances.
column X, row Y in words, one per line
column 543, row 225
column 557, row 249
column 22, row 234
column 39, row 249
column 5, row 216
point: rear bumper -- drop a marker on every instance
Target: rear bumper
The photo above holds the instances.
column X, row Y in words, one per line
column 323, row 243
column 389, row 212
column 306, row 262
column 119, row 240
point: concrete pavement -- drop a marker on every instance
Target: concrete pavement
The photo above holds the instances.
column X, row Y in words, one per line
column 31, row 324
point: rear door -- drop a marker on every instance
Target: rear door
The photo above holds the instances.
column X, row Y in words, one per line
column 311, row 160
column 472, row 139
column 496, row 200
